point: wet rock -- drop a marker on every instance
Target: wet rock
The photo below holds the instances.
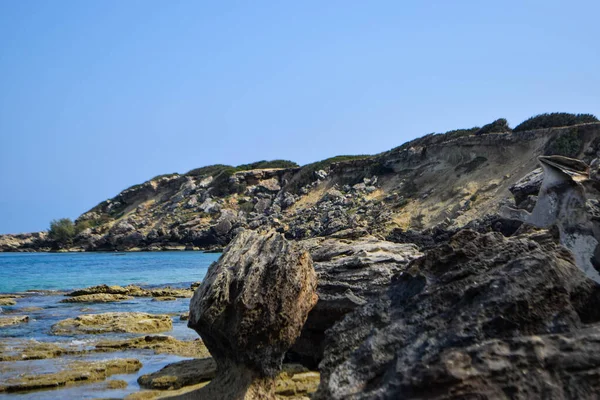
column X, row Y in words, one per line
column 159, row 344
column 180, row 374
column 76, row 372
column 7, row 321
column 8, row 301
column 100, row 289
column 184, row 316
column 436, row 325
column 164, row 298
column 350, row 274
column 116, row 384
column 97, row 298
column 131, row 322
column 250, row 309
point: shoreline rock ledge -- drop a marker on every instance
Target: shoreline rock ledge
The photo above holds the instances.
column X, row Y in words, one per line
column 249, row 311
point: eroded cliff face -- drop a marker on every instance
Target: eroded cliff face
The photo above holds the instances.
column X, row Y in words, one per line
column 432, row 182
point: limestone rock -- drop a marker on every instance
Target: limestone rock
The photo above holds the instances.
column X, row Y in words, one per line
column 563, row 202
column 160, row 344
column 7, row 301
column 180, row 374
column 82, row 371
column 97, row 298
column 131, row 322
column 7, row 321
column 463, row 318
column 250, row 309
column 350, row 274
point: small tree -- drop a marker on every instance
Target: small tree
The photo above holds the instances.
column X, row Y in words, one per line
column 62, row 231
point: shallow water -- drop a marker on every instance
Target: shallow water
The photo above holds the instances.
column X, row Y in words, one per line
column 63, row 272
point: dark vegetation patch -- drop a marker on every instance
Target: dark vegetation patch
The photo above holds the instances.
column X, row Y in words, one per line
column 568, row 144
column 554, row 120
column 498, row 126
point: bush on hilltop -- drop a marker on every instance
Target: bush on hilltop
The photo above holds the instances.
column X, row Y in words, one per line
column 555, row 120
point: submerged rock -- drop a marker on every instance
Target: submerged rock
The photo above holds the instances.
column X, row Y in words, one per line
column 8, row 301
column 159, row 344
column 19, row 319
column 250, row 309
column 131, row 322
column 76, row 372
column 97, row 298
column 459, row 323
column 18, row 350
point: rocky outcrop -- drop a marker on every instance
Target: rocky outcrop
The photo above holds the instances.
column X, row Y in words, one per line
column 438, row 180
column 459, row 322
column 350, row 274
column 568, row 199
column 180, row 374
column 97, row 298
column 160, row 344
column 7, row 321
column 131, row 322
column 76, row 372
column 250, row 309
column 124, row 292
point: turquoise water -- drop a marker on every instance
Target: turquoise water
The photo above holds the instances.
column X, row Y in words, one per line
column 45, row 271
column 65, row 271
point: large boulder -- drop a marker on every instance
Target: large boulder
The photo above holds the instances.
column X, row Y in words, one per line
column 250, row 309
column 482, row 316
column 350, row 274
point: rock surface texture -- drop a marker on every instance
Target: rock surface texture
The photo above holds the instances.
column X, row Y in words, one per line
column 250, row 309
column 131, row 322
column 482, row 316
column 568, row 199
column 350, row 274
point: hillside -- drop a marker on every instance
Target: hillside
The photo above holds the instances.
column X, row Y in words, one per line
column 439, row 180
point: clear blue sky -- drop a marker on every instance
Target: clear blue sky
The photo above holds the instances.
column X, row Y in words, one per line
column 98, row 95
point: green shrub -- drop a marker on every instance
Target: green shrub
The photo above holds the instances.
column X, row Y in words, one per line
column 210, row 170
column 567, row 144
column 267, row 164
column 554, row 120
column 456, row 133
column 62, row 231
column 498, row 126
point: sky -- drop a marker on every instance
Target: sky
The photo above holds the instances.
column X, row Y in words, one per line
column 98, row 95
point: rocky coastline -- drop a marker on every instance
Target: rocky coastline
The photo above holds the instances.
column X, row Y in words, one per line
column 491, row 292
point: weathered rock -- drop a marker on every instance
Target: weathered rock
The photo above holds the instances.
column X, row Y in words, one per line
column 159, row 344
column 76, row 372
column 100, row 289
column 350, row 274
column 423, row 339
column 97, row 298
column 250, row 309
column 131, row 322
column 164, row 298
column 15, row 350
column 7, row 321
column 116, row 384
column 562, row 201
column 180, row 374
column 8, row 301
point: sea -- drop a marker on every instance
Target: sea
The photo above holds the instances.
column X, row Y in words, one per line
column 44, row 278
